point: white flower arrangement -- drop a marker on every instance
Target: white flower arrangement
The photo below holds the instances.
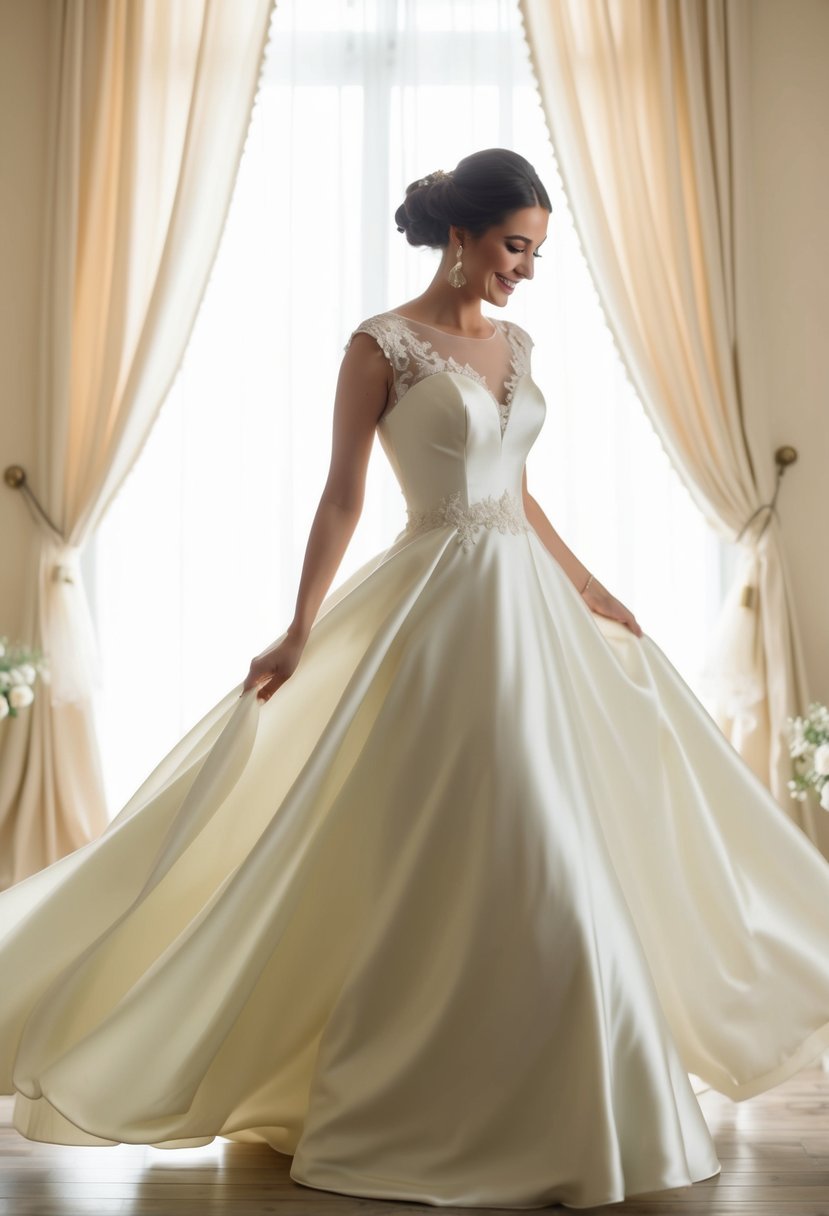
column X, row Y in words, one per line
column 19, row 669
column 809, row 749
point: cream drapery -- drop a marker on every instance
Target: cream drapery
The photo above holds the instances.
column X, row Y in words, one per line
column 148, row 119
column 648, row 110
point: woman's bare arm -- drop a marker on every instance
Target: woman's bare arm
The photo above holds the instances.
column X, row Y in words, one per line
column 362, row 391
column 597, row 597
column 577, row 573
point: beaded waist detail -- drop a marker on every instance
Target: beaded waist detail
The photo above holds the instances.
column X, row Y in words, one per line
column 505, row 513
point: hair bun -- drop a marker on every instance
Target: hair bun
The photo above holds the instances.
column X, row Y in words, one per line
column 478, row 193
column 422, row 215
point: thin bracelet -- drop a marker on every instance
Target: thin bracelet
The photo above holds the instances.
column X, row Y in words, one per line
column 586, row 585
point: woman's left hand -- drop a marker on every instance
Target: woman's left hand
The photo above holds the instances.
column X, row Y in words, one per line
column 599, row 599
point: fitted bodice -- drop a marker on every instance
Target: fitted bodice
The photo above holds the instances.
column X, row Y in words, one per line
column 461, row 418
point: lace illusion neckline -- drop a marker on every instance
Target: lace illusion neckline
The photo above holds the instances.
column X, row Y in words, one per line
column 463, row 337
column 432, row 359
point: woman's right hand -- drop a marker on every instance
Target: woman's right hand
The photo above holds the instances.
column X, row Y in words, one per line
column 273, row 667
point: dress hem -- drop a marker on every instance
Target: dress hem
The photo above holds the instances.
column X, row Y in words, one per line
column 810, row 1049
column 370, row 1190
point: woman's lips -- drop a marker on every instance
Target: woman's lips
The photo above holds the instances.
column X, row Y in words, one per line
column 508, row 286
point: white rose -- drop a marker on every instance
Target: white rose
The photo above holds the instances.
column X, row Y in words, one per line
column 28, row 673
column 824, row 796
column 16, row 676
column 799, row 746
column 4, row 708
column 2, row 650
column 5, row 681
column 821, row 760
column 20, row 696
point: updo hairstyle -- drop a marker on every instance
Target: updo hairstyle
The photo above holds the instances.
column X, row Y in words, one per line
column 478, row 194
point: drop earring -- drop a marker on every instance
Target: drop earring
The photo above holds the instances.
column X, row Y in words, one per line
column 456, row 276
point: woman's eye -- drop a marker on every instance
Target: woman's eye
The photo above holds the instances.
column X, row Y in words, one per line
column 512, row 249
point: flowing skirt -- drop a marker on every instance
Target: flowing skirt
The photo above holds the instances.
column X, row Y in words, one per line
column 449, row 919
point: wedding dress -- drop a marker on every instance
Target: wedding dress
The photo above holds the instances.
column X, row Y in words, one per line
column 454, row 915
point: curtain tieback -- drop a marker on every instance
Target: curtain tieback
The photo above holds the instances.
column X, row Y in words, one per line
column 68, row 633
column 783, row 457
column 733, row 673
column 68, row 568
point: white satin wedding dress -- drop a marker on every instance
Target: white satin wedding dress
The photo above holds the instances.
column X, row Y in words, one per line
column 454, row 915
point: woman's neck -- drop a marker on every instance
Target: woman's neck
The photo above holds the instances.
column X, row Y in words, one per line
column 461, row 316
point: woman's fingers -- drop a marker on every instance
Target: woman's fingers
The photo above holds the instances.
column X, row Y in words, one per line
column 269, row 688
column 258, row 672
column 620, row 612
column 270, row 670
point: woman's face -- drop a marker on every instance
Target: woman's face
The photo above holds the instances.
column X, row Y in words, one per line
column 496, row 262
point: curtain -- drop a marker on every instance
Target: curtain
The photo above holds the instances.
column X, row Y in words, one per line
column 648, row 108
column 149, row 115
column 352, row 106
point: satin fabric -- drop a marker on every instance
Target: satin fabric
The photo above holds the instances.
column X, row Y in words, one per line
column 454, row 915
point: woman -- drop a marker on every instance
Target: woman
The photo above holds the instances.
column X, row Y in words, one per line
column 493, row 261
column 454, row 917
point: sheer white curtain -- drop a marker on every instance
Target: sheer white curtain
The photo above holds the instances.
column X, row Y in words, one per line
column 196, row 566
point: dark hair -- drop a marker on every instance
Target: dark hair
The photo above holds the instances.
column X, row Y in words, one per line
column 476, row 195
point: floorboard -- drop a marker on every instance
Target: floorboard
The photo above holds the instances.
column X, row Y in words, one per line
column 774, row 1151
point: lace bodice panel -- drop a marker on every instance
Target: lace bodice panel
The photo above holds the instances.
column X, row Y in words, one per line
column 416, row 350
column 461, row 417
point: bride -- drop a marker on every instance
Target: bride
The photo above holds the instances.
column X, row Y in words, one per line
column 491, row 262
column 452, row 917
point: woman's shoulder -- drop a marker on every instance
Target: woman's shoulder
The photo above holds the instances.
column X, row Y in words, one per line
column 516, row 332
column 379, row 322
column 388, row 330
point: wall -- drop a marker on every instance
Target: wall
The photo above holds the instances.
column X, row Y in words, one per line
column 24, row 81
column 790, row 89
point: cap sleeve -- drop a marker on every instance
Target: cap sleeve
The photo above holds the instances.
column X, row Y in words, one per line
column 393, row 337
column 377, row 327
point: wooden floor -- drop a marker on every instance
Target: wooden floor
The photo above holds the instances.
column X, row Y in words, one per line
column 774, row 1151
